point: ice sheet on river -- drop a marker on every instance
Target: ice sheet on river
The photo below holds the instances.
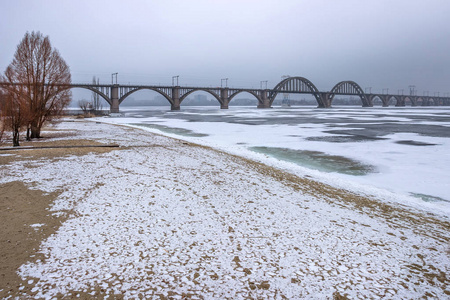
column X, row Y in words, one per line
column 408, row 147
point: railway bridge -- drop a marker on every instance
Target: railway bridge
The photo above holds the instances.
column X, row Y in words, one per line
column 115, row 94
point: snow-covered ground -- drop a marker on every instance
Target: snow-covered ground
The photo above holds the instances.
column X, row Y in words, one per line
column 162, row 217
column 407, row 148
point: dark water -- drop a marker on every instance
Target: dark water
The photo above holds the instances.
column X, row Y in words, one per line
column 318, row 160
column 415, row 143
column 429, row 198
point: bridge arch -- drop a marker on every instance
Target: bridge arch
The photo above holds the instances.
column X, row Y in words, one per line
column 397, row 99
column 377, row 97
column 146, row 88
column 349, row 87
column 258, row 98
column 386, row 100
column 296, row 85
column 429, row 101
column 406, row 100
column 414, row 101
column 105, row 97
column 182, row 97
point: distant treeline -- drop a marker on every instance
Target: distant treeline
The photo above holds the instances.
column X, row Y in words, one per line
column 203, row 101
column 195, row 101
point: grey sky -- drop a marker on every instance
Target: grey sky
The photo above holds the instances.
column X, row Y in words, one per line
column 377, row 43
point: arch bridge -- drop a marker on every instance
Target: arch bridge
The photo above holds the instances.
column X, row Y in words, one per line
column 115, row 94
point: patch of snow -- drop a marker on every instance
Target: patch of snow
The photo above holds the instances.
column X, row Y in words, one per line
column 37, row 225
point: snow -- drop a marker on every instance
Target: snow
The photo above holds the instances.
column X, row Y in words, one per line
column 402, row 171
column 37, row 225
column 163, row 218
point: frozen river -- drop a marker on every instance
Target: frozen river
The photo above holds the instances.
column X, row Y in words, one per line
column 394, row 153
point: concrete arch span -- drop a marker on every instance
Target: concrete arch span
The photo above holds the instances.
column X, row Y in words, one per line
column 411, row 99
column 296, row 85
column 200, row 90
column 397, row 99
column 431, row 102
column 349, row 87
column 385, row 100
column 377, row 97
column 146, row 88
column 104, row 96
column 258, row 98
column 426, row 101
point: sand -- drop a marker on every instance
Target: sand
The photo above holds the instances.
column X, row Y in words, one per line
column 22, row 206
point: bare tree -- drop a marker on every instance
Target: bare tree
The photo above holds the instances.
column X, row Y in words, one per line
column 2, row 123
column 15, row 114
column 40, row 78
column 96, row 104
column 85, row 106
column 2, row 130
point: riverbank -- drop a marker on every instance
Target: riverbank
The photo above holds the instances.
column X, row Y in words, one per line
column 163, row 217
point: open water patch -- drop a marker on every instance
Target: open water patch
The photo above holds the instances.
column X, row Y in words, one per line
column 429, row 198
column 318, row 160
column 414, row 143
column 343, row 138
column 172, row 130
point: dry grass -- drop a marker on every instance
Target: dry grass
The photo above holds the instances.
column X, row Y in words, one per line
column 53, row 153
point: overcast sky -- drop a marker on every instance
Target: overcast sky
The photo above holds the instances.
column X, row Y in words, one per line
column 377, row 43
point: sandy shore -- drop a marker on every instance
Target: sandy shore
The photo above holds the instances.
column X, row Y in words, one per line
column 159, row 217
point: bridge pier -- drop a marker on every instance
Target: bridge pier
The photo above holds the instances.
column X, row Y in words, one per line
column 265, row 100
column 325, row 101
column 425, row 101
column 365, row 100
column 400, row 101
column 114, row 108
column 385, row 100
column 175, row 104
column 224, row 98
column 370, row 98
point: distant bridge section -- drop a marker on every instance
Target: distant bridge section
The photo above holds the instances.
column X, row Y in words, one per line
column 115, row 94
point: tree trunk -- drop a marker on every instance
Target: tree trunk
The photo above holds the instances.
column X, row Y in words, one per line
column 28, row 133
column 16, row 138
column 35, row 132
